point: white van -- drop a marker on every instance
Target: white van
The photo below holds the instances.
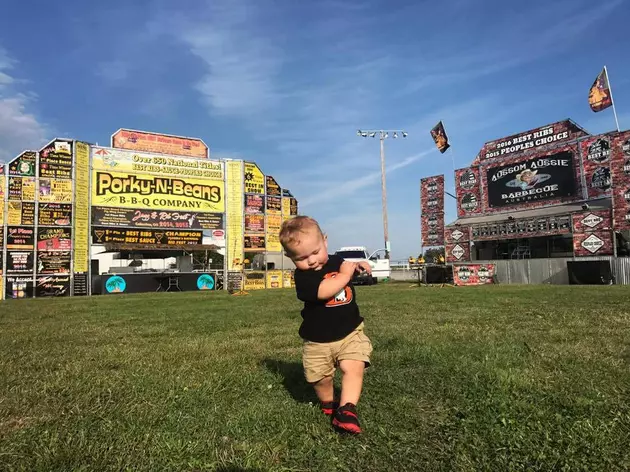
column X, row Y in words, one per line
column 377, row 260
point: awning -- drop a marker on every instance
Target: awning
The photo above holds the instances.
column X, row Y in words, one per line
column 593, row 205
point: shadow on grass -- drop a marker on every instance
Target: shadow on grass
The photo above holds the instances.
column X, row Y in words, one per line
column 292, row 378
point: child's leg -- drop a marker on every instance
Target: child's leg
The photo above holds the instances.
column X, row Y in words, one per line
column 319, row 370
column 351, row 380
column 324, row 389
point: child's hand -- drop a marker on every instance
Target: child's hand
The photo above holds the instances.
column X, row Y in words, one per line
column 348, row 268
column 364, row 266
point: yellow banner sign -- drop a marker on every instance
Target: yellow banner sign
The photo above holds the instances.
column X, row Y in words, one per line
column 254, row 179
column 254, row 280
column 20, row 213
column 274, row 279
column 286, row 208
column 273, row 232
column 55, row 191
column 2, row 184
column 287, row 279
column 81, row 208
column 234, row 215
column 118, row 160
column 113, row 189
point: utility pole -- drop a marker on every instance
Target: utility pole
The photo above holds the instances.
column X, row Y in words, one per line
column 383, row 135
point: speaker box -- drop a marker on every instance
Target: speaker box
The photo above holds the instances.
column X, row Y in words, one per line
column 590, row 273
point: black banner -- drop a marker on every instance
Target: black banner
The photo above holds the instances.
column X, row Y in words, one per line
column 274, row 204
column 55, row 214
column 293, row 207
column 20, row 238
column 19, row 262
column 54, row 239
column 135, row 218
column 102, row 235
column 57, row 154
column 254, row 242
column 273, row 188
column 53, row 286
column 53, row 262
column 254, row 204
column 19, row 287
column 55, row 171
column 80, row 284
column 542, row 178
column 23, row 165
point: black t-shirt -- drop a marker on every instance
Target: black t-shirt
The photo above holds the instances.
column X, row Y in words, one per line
column 326, row 321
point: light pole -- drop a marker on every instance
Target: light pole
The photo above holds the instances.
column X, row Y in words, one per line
column 383, row 135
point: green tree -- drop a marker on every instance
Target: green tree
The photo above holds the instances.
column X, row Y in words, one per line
column 430, row 255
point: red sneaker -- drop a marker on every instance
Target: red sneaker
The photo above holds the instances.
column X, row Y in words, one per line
column 329, row 408
column 346, row 419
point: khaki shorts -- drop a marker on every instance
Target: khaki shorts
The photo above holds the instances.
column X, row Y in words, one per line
column 321, row 359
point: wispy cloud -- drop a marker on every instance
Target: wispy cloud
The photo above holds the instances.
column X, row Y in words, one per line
column 6, row 63
column 240, row 64
column 19, row 127
column 550, row 30
column 335, row 188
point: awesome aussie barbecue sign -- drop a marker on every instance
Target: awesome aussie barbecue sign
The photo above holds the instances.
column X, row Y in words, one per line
column 537, row 179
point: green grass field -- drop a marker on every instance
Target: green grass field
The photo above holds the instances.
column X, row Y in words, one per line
column 464, row 379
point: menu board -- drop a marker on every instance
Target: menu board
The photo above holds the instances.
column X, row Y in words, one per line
column 80, row 284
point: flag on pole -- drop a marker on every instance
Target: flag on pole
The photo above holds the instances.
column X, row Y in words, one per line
column 599, row 97
column 439, row 136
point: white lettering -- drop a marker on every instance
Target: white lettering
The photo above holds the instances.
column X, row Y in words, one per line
column 533, row 191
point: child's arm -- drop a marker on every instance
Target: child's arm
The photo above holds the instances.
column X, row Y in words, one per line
column 328, row 288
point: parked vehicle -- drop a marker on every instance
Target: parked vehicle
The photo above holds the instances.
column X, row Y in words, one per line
column 380, row 264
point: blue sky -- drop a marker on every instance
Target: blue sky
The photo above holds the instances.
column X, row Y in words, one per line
column 287, row 84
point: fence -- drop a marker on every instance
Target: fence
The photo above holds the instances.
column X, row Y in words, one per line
column 552, row 271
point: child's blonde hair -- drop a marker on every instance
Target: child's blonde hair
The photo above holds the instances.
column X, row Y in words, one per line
column 291, row 229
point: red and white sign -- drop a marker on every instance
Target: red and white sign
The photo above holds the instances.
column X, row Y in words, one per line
column 459, row 252
column 473, row 274
column 160, row 143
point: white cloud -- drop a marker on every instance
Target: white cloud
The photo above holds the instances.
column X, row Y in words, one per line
column 240, row 64
column 341, row 185
column 6, row 63
column 20, row 129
